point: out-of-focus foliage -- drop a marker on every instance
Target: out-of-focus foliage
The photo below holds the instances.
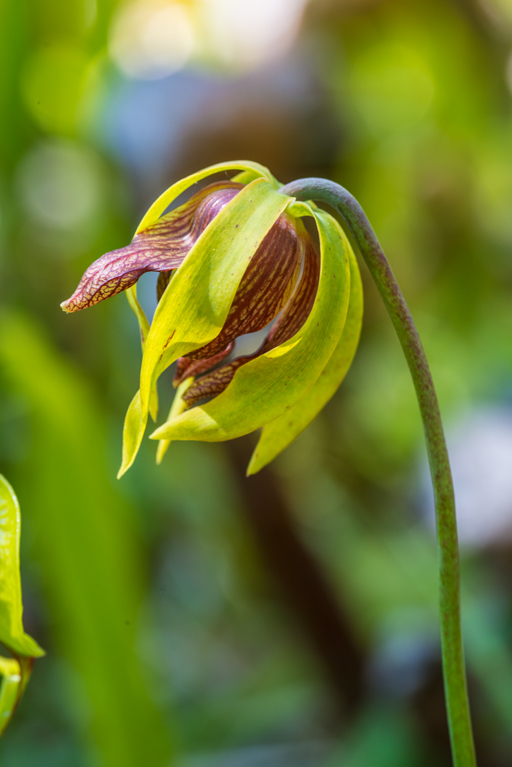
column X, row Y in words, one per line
column 11, row 610
column 15, row 671
column 179, row 624
column 90, row 559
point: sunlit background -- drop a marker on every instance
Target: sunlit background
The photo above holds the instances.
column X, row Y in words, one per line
column 192, row 618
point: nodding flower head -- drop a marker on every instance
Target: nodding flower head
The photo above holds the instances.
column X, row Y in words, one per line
column 233, row 259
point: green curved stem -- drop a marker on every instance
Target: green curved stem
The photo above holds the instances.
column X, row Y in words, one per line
column 362, row 234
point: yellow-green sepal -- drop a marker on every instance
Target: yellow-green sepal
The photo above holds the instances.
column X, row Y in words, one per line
column 299, row 209
column 246, row 176
column 278, row 434
column 254, row 169
column 178, row 406
column 272, row 383
column 133, row 431
column 196, row 302
column 131, row 294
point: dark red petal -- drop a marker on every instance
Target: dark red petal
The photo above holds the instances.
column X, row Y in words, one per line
column 162, row 282
column 187, row 367
column 301, row 303
column 214, row 383
column 159, row 248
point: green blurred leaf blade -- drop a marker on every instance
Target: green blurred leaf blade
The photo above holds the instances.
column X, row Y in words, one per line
column 12, row 634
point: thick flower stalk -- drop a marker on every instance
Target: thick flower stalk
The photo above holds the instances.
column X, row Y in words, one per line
column 233, row 259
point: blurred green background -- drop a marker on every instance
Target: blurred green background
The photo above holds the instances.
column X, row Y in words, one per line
column 192, row 617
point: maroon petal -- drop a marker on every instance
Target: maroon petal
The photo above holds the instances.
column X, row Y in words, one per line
column 214, row 383
column 292, row 319
column 187, row 367
column 161, row 247
column 265, row 287
column 301, row 303
column 162, row 282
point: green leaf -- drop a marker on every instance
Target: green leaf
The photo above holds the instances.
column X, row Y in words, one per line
column 197, row 301
column 12, row 634
column 14, row 671
column 10, row 689
column 278, row 434
column 272, row 383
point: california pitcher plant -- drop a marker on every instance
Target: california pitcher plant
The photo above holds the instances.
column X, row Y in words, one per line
column 234, row 258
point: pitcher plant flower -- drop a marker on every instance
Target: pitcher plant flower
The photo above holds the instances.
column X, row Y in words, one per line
column 235, row 257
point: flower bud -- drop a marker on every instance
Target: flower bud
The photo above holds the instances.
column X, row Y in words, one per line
column 231, row 260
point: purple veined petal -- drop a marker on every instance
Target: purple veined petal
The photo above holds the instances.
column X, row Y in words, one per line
column 265, row 287
column 187, row 367
column 293, row 317
column 159, row 248
column 300, row 305
column 213, row 383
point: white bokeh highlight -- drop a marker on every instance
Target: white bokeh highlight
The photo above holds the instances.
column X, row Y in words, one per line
column 248, row 33
column 151, row 39
column 61, row 184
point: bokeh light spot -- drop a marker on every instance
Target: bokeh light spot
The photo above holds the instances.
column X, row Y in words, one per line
column 152, row 39
column 246, row 34
column 61, row 184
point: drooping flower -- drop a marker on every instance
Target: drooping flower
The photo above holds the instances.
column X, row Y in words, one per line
column 233, row 258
